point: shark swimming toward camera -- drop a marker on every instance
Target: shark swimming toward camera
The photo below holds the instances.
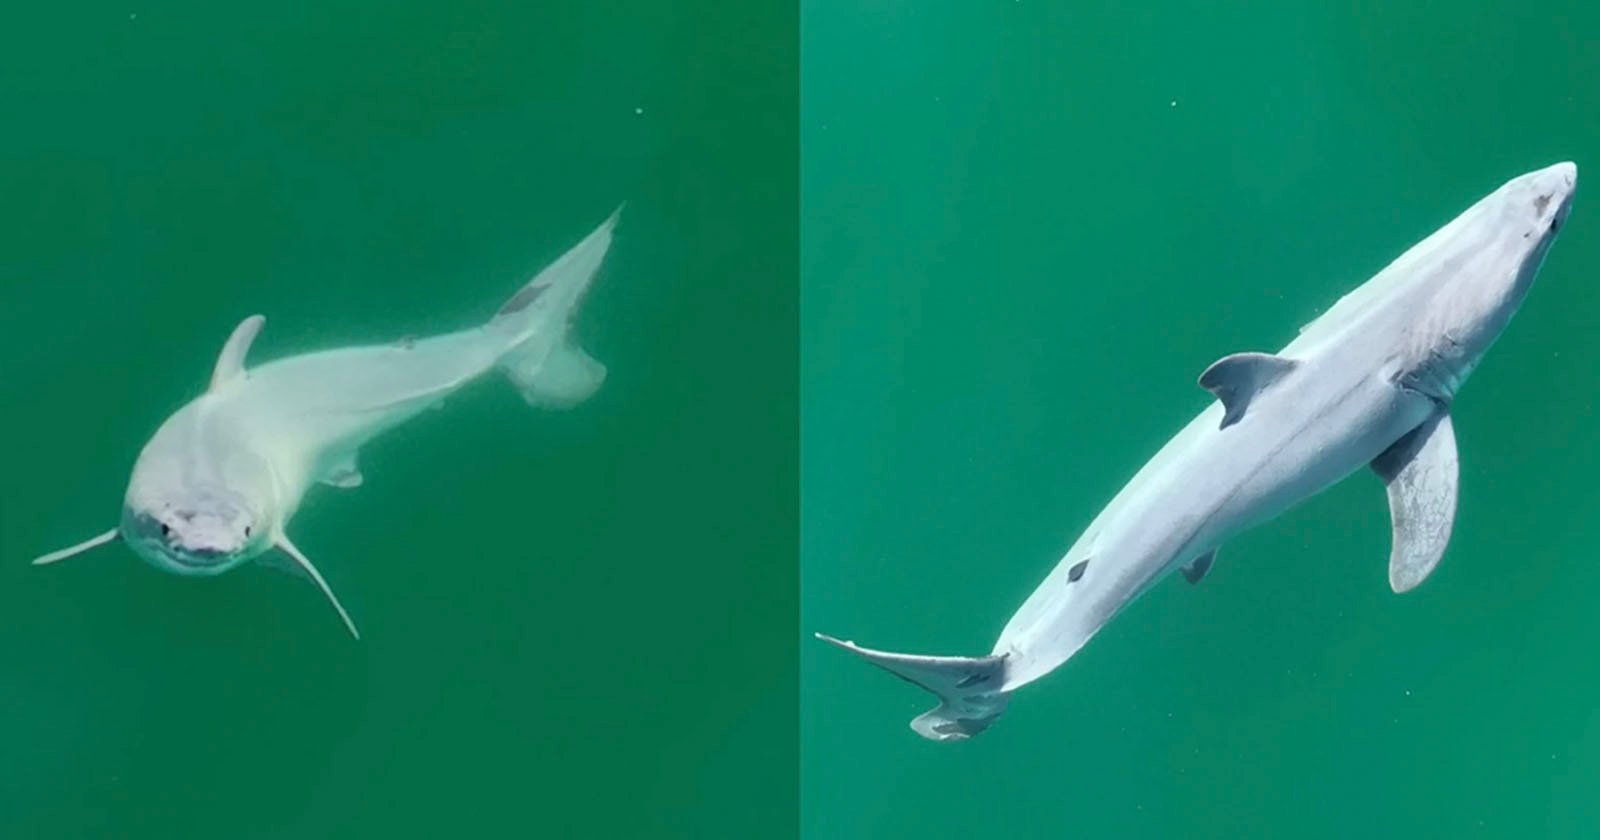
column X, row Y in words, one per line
column 222, row 477
column 1370, row 382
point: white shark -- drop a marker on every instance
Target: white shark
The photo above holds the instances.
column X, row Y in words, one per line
column 1370, row 382
column 222, row 477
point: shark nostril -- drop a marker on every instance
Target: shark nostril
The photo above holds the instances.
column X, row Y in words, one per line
column 1540, row 203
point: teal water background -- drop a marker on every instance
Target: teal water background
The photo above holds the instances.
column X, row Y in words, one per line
column 575, row 624
column 1027, row 227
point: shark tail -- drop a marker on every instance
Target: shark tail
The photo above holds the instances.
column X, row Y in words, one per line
column 968, row 687
column 543, row 361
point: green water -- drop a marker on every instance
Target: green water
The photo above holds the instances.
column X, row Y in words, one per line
column 877, row 353
column 575, row 624
column 1027, row 227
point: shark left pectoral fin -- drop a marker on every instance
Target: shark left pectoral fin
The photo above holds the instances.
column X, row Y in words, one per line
column 73, row 550
column 311, row 572
column 1423, row 476
column 1236, row 380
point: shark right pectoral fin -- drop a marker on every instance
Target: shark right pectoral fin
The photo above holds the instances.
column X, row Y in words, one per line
column 311, row 572
column 73, row 550
column 1236, row 380
column 1423, row 476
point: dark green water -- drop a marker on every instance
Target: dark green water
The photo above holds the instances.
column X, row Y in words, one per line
column 1019, row 253
column 576, row 624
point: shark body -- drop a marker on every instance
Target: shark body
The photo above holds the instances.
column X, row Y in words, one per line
column 1370, row 382
column 218, row 483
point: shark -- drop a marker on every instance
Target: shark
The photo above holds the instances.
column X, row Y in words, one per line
column 1369, row 383
column 219, row 482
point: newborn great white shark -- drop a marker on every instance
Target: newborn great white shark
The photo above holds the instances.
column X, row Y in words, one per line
column 1368, row 382
column 222, row 477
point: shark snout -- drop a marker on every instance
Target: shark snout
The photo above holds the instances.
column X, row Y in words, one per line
column 1549, row 192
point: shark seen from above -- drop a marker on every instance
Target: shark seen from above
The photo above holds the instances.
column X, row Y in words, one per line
column 1370, row 382
column 218, row 483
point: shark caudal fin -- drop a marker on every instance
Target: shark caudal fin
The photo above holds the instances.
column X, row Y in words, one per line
column 546, row 365
column 968, row 688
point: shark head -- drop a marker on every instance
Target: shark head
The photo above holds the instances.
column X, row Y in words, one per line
column 1478, row 269
column 200, row 531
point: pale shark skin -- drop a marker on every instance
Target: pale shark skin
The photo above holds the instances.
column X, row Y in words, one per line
column 219, row 482
column 1369, row 382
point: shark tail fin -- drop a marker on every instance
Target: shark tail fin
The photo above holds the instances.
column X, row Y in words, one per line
column 969, row 688
column 543, row 362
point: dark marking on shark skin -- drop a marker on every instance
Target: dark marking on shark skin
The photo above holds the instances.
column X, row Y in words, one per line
column 972, row 680
column 1540, row 203
column 522, row 300
column 407, row 342
column 964, row 727
column 1076, row 572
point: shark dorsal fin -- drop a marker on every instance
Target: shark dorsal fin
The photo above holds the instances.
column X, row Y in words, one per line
column 230, row 362
column 1236, row 379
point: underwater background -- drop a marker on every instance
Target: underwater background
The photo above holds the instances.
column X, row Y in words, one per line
column 575, row 624
column 1027, row 227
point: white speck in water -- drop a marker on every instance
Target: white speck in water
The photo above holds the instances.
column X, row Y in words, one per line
column 133, row 15
column 1173, row 104
column 638, row 110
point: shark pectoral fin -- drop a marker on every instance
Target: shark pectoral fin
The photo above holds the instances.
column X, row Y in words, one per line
column 969, row 688
column 282, row 562
column 230, row 362
column 316, row 577
column 92, row 542
column 1196, row 569
column 1236, row 379
column 1423, row 475
column 565, row 377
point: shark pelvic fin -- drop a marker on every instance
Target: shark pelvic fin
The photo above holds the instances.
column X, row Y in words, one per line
column 311, row 571
column 92, row 542
column 345, row 473
column 1236, row 380
column 1423, row 475
column 230, row 362
column 1194, row 570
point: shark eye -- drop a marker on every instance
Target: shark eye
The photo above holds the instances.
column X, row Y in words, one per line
column 247, row 531
column 166, row 530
